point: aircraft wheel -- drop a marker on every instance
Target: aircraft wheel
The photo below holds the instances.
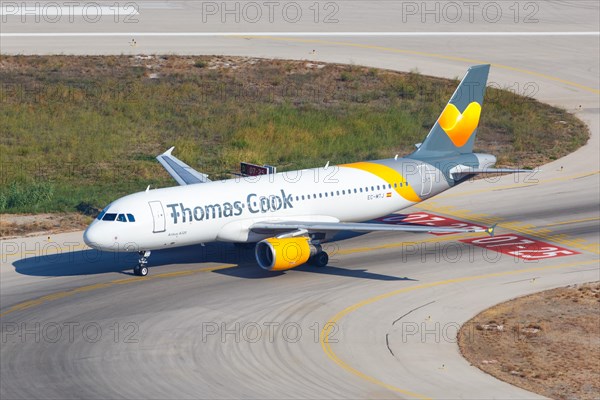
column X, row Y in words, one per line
column 321, row 260
column 140, row 270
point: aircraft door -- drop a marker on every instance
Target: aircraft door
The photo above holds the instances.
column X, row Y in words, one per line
column 427, row 176
column 158, row 216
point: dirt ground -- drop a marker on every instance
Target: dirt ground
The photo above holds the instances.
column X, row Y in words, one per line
column 547, row 343
column 13, row 225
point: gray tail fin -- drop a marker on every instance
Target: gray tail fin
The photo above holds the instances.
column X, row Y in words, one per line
column 455, row 130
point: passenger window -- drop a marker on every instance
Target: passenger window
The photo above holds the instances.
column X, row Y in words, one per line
column 302, row 197
column 325, row 194
column 121, row 218
column 395, row 185
column 109, row 217
column 343, row 192
column 355, row 190
column 361, row 190
column 372, row 188
column 130, row 218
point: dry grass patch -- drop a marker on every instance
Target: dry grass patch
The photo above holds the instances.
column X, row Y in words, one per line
column 86, row 129
column 14, row 225
column 548, row 343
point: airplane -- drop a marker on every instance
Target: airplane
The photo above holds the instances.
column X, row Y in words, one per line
column 289, row 215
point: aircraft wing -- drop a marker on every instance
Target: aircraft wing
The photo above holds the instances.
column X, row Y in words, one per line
column 290, row 226
column 183, row 173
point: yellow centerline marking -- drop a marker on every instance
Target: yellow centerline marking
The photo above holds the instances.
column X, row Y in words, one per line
column 430, row 55
column 573, row 221
column 445, row 210
column 88, row 288
column 124, row 281
column 334, row 321
column 516, row 226
column 516, row 185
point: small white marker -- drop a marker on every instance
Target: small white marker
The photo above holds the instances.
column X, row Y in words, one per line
column 327, row 165
column 396, row 158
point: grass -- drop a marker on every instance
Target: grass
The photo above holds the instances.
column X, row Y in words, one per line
column 86, row 129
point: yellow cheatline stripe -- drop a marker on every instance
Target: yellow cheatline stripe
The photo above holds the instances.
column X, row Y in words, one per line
column 390, row 175
column 516, row 226
column 83, row 289
column 573, row 221
column 334, row 321
column 516, row 185
column 430, row 55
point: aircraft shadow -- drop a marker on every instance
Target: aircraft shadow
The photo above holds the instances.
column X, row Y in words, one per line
column 353, row 273
column 92, row 262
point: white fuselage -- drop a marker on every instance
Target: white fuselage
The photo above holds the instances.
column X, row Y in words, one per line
column 224, row 210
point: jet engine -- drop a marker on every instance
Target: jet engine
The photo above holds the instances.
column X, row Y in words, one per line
column 286, row 253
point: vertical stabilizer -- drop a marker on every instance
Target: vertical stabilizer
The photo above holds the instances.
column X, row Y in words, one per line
column 455, row 130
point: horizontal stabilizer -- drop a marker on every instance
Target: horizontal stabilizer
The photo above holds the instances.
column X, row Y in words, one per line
column 180, row 171
column 461, row 171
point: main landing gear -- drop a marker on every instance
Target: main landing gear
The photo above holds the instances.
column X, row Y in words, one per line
column 142, row 269
column 321, row 259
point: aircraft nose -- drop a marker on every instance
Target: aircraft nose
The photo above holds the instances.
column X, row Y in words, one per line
column 92, row 238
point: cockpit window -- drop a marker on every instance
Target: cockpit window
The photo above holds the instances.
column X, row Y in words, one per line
column 109, row 217
column 121, row 218
column 130, row 218
column 102, row 213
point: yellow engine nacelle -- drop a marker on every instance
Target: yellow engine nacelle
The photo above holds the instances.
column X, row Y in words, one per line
column 280, row 254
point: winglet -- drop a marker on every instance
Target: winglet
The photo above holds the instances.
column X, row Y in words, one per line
column 490, row 230
column 180, row 171
column 168, row 152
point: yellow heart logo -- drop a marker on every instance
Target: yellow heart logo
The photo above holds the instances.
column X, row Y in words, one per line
column 459, row 127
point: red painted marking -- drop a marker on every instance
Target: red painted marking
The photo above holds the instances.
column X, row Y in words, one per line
column 426, row 219
column 520, row 246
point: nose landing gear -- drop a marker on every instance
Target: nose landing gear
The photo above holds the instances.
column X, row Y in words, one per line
column 142, row 269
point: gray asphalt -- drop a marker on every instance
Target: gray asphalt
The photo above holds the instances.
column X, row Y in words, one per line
column 208, row 323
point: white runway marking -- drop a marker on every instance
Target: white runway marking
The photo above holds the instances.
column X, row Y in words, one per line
column 288, row 34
